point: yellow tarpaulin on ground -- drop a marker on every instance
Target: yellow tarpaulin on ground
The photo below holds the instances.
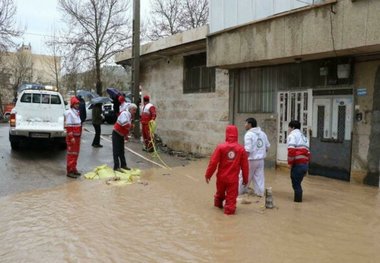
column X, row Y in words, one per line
column 121, row 177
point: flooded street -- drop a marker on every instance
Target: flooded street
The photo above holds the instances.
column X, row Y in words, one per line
column 171, row 218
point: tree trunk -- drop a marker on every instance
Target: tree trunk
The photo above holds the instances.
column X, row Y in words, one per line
column 373, row 156
column 99, row 85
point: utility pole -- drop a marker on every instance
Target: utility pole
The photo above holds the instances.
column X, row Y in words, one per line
column 136, row 64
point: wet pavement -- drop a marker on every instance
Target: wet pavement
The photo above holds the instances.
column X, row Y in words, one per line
column 43, row 166
column 170, row 217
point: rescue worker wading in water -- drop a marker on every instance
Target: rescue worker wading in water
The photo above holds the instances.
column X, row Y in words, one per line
column 73, row 134
column 148, row 114
column 229, row 157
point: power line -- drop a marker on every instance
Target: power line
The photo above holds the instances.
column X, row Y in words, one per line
column 36, row 34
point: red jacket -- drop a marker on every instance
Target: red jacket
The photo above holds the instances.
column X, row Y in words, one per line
column 123, row 123
column 229, row 158
column 148, row 113
column 72, row 123
column 298, row 148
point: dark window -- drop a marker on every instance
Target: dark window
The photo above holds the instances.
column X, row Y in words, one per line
column 256, row 89
column 197, row 77
column 55, row 99
column 36, row 98
column 320, row 122
column 26, row 97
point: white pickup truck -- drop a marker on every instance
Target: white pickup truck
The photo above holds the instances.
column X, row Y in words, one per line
column 38, row 115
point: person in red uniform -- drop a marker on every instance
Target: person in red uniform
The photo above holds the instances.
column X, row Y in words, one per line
column 148, row 114
column 119, row 134
column 229, row 157
column 73, row 126
column 298, row 157
column 123, row 104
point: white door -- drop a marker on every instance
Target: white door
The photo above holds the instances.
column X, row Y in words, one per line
column 342, row 118
column 333, row 118
column 322, row 122
column 330, row 143
column 292, row 105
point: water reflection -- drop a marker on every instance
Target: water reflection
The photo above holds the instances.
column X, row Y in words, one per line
column 171, row 219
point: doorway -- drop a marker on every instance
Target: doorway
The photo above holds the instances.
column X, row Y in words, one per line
column 292, row 105
column 330, row 142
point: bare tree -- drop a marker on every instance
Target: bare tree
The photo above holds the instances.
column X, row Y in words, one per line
column 22, row 67
column 7, row 33
column 7, row 24
column 71, row 65
column 166, row 18
column 55, row 64
column 170, row 17
column 195, row 13
column 97, row 29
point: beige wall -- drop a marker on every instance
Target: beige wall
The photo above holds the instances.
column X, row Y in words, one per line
column 185, row 122
column 364, row 78
column 309, row 34
column 42, row 71
column 43, row 67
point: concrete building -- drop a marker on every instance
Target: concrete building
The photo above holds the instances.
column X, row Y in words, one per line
column 315, row 61
column 191, row 99
column 23, row 66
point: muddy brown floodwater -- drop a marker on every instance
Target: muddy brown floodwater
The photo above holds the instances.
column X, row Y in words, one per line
column 171, row 219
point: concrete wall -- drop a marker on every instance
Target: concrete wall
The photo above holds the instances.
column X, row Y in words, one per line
column 364, row 78
column 177, row 40
column 227, row 13
column 43, row 68
column 185, row 122
column 348, row 27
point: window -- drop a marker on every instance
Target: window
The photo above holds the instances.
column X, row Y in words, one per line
column 256, row 89
column 36, row 98
column 45, row 98
column 197, row 77
column 26, row 97
column 55, row 99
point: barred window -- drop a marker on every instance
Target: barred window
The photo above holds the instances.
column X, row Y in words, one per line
column 197, row 77
column 256, row 90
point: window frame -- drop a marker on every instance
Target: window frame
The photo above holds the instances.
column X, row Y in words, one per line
column 197, row 77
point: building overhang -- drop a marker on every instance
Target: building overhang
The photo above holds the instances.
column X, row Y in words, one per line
column 336, row 28
column 185, row 43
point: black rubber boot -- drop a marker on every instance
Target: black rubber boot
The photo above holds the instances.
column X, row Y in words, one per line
column 298, row 197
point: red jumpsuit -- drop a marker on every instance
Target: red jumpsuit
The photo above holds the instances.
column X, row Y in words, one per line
column 73, row 133
column 229, row 158
column 148, row 113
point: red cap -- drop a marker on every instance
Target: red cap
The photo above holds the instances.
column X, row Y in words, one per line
column 121, row 98
column 74, row 100
column 146, row 98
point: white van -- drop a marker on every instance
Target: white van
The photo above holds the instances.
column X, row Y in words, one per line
column 38, row 115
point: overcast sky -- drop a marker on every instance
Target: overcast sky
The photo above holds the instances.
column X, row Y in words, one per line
column 41, row 18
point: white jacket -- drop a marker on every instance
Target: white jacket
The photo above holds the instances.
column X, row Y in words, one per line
column 72, row 117
column 256, row 144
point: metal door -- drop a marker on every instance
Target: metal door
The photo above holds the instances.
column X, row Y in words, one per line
column 330, row 143
column 292, row 105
